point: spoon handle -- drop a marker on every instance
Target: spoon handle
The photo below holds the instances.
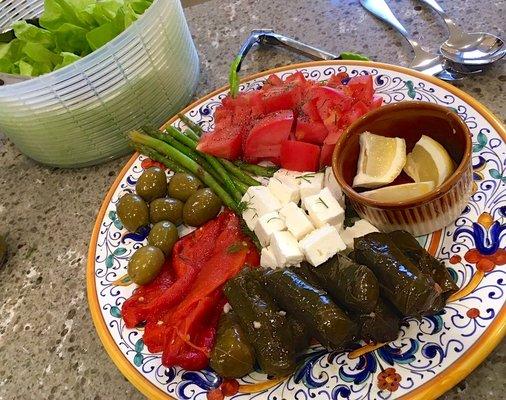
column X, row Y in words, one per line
column 381, row 10
column 455, row 32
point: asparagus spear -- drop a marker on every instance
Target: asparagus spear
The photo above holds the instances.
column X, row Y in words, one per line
column 228, row 182
column 239, row 173
column 156, row 156
column 190, row 124
column 257, row 170
column 195, row 156
column 169, row 151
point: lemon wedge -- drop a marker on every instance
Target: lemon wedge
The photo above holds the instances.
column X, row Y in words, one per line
column 429, row 161
column 380, row 161
column 396, row 193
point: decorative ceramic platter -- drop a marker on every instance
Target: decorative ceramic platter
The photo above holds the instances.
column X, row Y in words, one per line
column 429, row 356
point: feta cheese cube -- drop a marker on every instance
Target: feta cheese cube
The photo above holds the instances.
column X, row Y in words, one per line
column 259, row 201
column 310, row 183
column 285, row 191
column 286, row 249
column 321, row 244
column 266, row 225
column 323, row 209
column 267, row 258
column 362, row 227
column 330, row 182
column 287, row 176
column 296, row 220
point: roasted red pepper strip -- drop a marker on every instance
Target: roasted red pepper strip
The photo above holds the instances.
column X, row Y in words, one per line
column 136, row 307
column 186, row 262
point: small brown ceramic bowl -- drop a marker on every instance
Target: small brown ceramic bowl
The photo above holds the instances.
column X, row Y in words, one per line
column 410, row 120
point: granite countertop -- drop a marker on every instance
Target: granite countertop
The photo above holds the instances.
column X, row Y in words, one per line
column 48, row 345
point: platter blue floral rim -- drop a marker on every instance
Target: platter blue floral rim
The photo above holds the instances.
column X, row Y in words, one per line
column 428, row 358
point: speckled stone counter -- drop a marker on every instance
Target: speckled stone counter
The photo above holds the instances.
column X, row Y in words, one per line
column 48, row 345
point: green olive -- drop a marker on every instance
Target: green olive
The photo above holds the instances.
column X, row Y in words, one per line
column 145, row 264
column 182, row 186
column 132, row 211
column 201, row 207
column 166, row 209
column 152, row 184
column 163, row 235
column 3, row 250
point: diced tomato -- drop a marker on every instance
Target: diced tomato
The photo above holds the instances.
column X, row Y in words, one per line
column 222, row 142
column 222, row 116
column 273, row 80
column 309, row 108
column 299, row 156
column 297, row 77
column 336, row 80
column 376, row 102
column 307, row 130
column 357, row 110
column 250, row 103
column 215, row 394
column 326, row 155
column 265, row 138
column 148, row 163
column 362, row 87
column 333, row 137
column 229, row 387
column 278, row 98
column 228, row 102
column 335, row 96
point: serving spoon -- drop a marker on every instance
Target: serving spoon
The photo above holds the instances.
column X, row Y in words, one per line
column 424, row 61
column 475, row 48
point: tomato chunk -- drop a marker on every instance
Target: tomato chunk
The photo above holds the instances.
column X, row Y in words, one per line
column 362, row 87
column 297, row 77
column 326, row 155
column 265, row 138
column 310, row 131
column 299, row 156
column 376, row 102
column 222, row 142
column 278, row 98
column 336, row 80
column 273, row 80
column 357, row 110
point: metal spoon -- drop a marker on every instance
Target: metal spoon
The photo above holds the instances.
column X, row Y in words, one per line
column 476, row 48
column 424, row 61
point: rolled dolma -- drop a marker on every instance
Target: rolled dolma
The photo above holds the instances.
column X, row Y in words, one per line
column 408, row 289
column 305, row 271
column 380, row 325
column 351, row 285
column 312, row 306
column 265, row 327
column 232, row 355
column 428, row 264
column 300, row 334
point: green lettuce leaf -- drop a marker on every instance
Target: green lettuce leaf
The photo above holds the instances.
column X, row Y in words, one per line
column 68, row 58
column 31, row 33
column 25, row 68
column 99, row 36
column 104, row 11
column 72, row 38
column 69, row 30
column 38, row 53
